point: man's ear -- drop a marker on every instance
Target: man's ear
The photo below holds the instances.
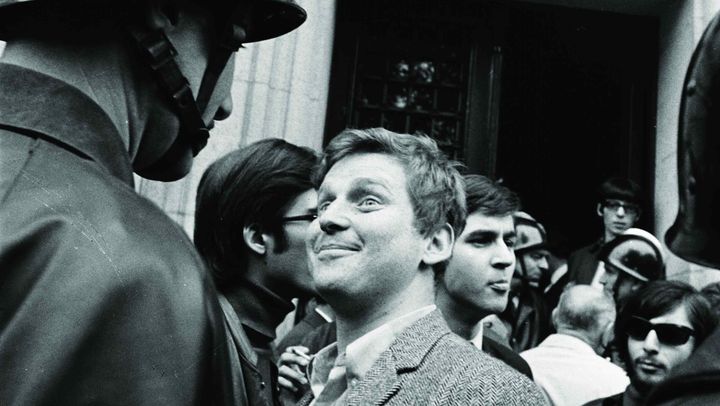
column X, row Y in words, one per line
column 160, row 14
column 553, row 318
column 254, row 239
column 439, row 245
column 599, row 209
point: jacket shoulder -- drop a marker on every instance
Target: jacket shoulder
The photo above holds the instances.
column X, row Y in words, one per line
column 478, row 378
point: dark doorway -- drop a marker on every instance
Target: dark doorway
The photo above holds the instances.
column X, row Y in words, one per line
column 550, row 99
column 578, row 106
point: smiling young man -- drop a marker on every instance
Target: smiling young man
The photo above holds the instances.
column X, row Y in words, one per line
column 476, row 282
column 253, row 210
column 389, row 206
column 658, row 329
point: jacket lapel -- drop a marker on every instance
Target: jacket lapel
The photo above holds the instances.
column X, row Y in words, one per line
column 384, row 380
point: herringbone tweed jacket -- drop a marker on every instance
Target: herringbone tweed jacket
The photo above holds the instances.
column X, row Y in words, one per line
column 429, row 365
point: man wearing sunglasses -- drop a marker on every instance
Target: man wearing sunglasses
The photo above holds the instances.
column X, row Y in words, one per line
column 253, row 209
column 658, row 328
column 619, row 208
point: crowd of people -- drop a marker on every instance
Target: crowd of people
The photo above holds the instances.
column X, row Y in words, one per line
column 411, row 281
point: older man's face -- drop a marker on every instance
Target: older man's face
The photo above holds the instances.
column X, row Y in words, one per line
column 364, row 245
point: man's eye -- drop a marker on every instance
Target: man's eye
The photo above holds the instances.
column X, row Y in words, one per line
column 481, row 241
column 511, row 243
column 369, row 202
column 322, row 207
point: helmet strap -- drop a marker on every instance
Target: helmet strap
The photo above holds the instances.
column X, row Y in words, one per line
column 160, row 55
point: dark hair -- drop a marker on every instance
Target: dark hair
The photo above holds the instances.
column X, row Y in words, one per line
column 660, row 297
column 621, row 189
column 489, row 197
column 435, row 186
column 252, row 185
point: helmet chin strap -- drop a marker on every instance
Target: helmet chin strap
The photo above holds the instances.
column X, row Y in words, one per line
column 160, row 55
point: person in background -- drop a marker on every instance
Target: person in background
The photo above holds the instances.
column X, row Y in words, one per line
column 253, row 210
column 476, row 282
column 104, row 299
column 527, row 317
column 619, row 208
column 657, row 329
column 568, row 365
column 631, row 261
column 389, row 207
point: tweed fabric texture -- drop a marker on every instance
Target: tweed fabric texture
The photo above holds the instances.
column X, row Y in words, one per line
column 429, row 365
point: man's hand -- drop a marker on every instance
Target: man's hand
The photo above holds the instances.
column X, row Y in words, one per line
column 291, row 368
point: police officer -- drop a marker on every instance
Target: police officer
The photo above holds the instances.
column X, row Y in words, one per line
column 103, row 299
column 631, row 260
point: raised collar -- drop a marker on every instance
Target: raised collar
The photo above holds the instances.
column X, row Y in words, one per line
column 567, row 341
column 41, row 106
column 260, row 310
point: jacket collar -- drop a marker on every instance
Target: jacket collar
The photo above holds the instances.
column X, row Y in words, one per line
column 39, row 105
column 259, row 309
column 411, row 347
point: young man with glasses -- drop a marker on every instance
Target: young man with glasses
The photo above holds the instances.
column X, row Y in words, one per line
column 253, row 210
column 619, row 208
column 658, row 329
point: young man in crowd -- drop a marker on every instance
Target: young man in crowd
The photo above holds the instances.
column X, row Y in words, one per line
column 253, row 210
column 476, row 282
column 104, row 299
column 389, row 206
column 619, row 208
column 658, row 329
column 568, row 365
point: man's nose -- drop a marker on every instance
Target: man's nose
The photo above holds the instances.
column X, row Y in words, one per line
column 650, row 344
column 225, row 109
column 621, row 211
column 333, row 217
column 503, row 257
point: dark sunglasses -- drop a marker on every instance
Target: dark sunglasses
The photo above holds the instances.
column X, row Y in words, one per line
column 670, row 334
column 304, row 217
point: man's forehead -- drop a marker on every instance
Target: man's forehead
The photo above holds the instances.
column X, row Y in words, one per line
column 479, row 222
column 364, row 169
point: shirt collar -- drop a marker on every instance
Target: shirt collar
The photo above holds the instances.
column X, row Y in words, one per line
column 42, row 106
column 362, row 353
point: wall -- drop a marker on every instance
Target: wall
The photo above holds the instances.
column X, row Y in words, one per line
column 280, row 90
column 681, row 26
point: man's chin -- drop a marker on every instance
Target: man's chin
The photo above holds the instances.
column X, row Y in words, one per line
column 168, row 169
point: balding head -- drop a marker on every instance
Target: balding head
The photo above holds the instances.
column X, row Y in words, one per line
column 584, row 312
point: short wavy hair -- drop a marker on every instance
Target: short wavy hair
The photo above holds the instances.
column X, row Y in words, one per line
column 435, row 187
column 489, row 197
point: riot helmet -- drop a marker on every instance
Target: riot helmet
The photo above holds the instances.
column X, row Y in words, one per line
column 636, row 253
column 239, row 22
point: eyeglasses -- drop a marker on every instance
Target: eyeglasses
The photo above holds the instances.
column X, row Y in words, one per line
column 303, row 217
column 670, row 334
column 615, row 205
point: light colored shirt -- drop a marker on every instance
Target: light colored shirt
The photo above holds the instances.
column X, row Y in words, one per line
column 571, row 373
column 331, row 373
